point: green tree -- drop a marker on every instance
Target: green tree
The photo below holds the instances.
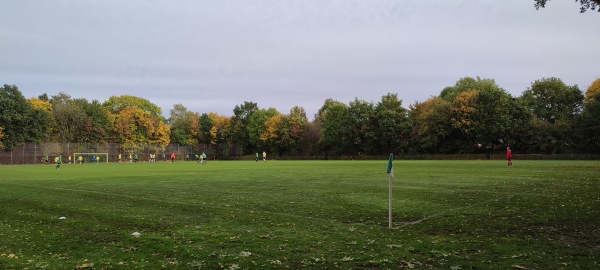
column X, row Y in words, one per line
column 21, row 122
column 295, row 130
column 69, row 118
column 309, row 143
column 392, row 127
column 239, row 126
column 521, row 118
column 184, row 125
column 486, row 116
column 467, row 84
column 1, row 136
column 80, row 121
column 589, row 125
column 257, row 127
column 500, row 118
column 42, row 112
column 44, row 97
column 362, row 134
column 97, row 126
column 205, row 125
column 554, row 106
column 550, row 99
column 335, row 132
column 585, row 4
column 432, row 128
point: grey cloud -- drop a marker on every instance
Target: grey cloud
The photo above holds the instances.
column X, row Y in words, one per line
column 213, row 55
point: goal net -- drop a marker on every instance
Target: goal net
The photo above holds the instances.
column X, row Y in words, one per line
column 81, row 158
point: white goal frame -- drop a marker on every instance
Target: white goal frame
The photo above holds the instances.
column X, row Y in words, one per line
column 86, row 157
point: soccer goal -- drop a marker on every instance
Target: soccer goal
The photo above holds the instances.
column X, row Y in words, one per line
column 81, row 158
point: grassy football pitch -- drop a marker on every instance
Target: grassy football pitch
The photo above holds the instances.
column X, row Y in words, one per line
column 301, row 215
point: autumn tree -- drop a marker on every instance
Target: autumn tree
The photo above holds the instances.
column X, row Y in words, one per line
column 486, row 116
column 592, row 90
column 273, row 133
column 257, row 127
column 284, row 133
column 467, row 84
column 135, row 128
column 115, row 104
column 295, row 128
column 464, row 107
column 43, row 112
column 220, row 133
column 158, row 134
column 432, row 128
column 40, row 104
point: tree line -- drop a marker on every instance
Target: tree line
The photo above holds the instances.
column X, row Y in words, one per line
column 473, row 116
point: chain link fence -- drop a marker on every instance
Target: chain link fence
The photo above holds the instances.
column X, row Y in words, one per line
column 36, row 153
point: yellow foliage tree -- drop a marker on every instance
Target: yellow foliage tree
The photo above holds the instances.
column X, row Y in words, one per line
column 135, row 127
column 45, row 112
column 272, row 127
column 158, row 134
column 592, row 90
column 39, row 104
column 46, row 109
column 221, row 128
column 431, row 121
column 462, row 111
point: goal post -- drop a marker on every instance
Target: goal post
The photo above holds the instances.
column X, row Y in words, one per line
column 82, row 158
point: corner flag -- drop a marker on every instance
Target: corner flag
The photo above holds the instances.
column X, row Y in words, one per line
column 390, row 170
column 390, row 167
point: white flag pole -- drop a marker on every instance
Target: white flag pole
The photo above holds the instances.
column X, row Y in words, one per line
column 390, row 170
column 390, row 204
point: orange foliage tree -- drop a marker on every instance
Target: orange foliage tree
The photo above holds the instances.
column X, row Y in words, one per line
column 135, row 128
column 592, row 90
column 220, row 132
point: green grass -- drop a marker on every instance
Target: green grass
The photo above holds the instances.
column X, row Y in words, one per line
column 301, row 215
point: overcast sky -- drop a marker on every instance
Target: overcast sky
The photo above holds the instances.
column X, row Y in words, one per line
column 213, row 55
